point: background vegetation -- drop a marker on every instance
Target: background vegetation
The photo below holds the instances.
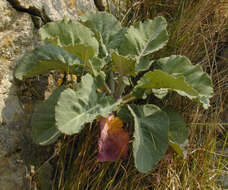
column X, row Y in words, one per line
column 198, row 30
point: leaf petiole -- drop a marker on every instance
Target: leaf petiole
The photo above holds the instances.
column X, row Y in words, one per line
column 120, row 88
column 128, row 98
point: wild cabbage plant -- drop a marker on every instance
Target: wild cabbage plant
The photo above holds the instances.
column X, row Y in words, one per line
column 114, row 69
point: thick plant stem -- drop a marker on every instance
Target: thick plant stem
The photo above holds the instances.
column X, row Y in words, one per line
column 112, row 82
column 128, row 98
column 120, row 88
column 107, row 89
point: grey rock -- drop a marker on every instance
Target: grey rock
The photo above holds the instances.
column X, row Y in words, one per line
column 9, row 102
column 16, row 34
column 12, row 174
column 9, row 141
column 54, row 9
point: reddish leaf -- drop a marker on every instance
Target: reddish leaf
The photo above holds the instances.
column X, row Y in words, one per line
column 114, row 140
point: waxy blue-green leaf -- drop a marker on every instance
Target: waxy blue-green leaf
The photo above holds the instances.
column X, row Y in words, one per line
column 143, row 64
column 44, row 131
column 143, row 39
column 150, row 135
column 107, row 29
column 177, row 66
column 124, row 114
column 159, row 79
column 178, row 74
column 82, row 51
column 178, row 132
column 76, row 108
column 43, row 59
column 124, row 65
column 72, row 36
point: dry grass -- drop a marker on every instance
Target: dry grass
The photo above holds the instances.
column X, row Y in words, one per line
column 198, row 30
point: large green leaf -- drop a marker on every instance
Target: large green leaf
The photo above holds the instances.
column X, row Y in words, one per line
column 178, row 132
column 82, row 51
column 123, row 65
column 143, row 64
column 160, row 79
column 177, row 65
column 107, row 29
column 44, row 131
column 124, row 114
column 178, row 74
column 75, row 108
column 151, row 135
column 43, row 59
column 72, row 36
column 143, row 39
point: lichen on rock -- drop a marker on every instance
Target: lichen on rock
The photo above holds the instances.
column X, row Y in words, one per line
column 16, row 33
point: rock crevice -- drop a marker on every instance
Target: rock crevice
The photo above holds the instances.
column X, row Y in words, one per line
column 31, row 10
